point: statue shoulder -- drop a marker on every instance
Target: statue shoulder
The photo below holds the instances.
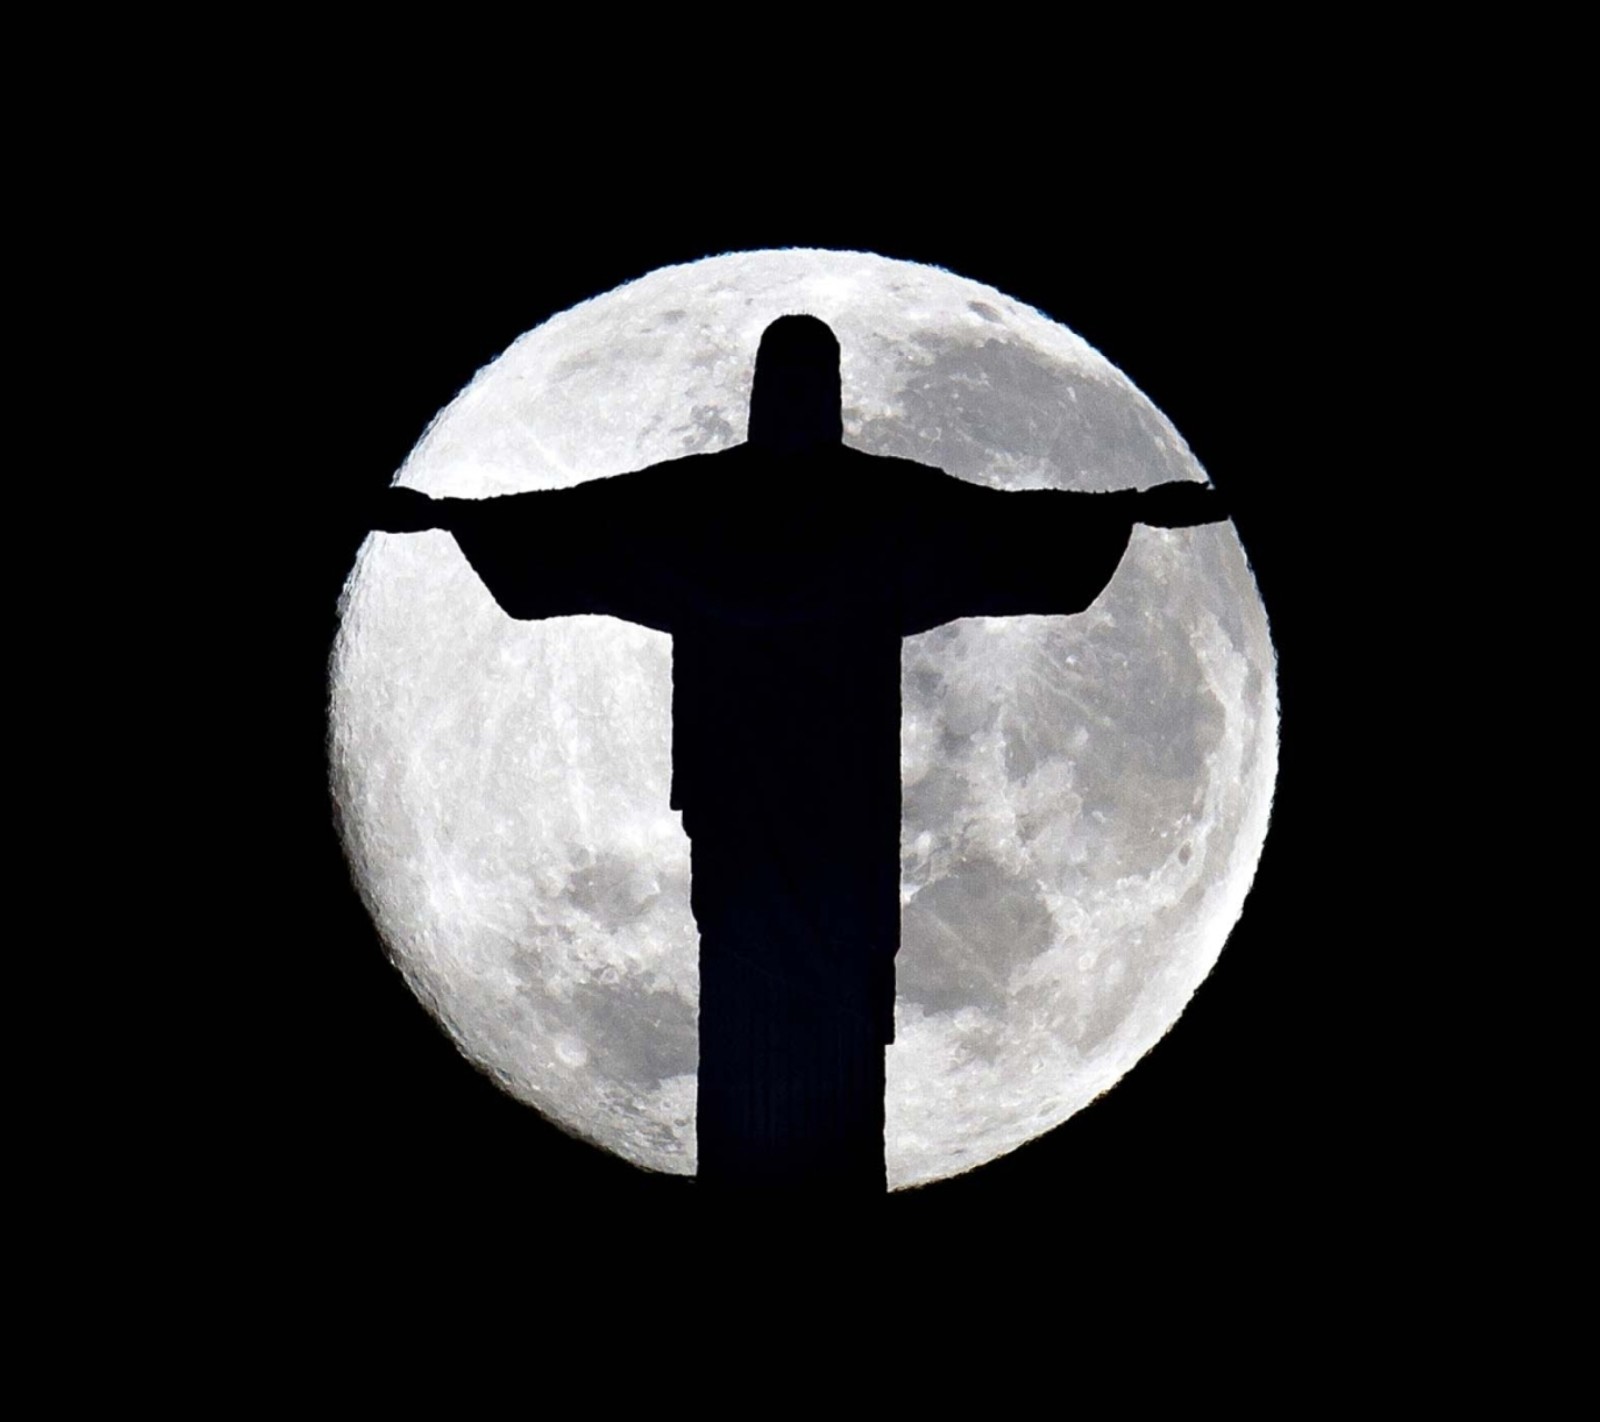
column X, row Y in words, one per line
column 912, row 474
column 700, row 467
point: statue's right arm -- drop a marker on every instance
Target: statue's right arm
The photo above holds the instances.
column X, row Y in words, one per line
column 551, row 553
column 400, row 510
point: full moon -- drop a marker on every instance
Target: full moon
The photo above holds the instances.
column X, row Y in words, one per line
column 1084, row 799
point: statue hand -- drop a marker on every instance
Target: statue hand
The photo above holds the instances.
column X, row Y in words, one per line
column 404, row 511
column 1180, row 505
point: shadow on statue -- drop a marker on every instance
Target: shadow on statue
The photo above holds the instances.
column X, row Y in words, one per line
column 787, row 571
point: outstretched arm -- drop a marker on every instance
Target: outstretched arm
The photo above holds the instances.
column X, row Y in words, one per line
column 398, row 510
column 1176, row 505
column 993, row 553
column 554, row 553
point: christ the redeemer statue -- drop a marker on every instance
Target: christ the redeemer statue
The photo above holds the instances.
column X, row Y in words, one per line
column 787, row 570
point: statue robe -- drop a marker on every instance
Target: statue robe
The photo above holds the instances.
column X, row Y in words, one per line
column 787, row 583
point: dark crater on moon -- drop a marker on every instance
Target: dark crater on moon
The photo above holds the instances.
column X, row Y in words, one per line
column 613, row 890
column 634, row 1036
column 709, row 428
column 938, row 798
column 963, row 936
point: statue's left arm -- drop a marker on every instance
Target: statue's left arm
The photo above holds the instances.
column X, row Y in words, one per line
column 981, row 552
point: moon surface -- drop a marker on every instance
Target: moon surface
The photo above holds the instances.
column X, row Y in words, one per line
column 1084, row 798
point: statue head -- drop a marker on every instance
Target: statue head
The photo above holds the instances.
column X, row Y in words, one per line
column 794, row 400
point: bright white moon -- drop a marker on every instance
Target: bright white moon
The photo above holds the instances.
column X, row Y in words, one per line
column 1084, row 798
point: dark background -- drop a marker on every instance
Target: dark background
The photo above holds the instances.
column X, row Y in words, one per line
column 1253, row 1124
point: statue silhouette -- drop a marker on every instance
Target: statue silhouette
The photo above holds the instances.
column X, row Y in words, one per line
column 787, row 570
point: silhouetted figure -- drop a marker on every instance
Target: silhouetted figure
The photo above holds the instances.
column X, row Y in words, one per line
column 787, row 571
